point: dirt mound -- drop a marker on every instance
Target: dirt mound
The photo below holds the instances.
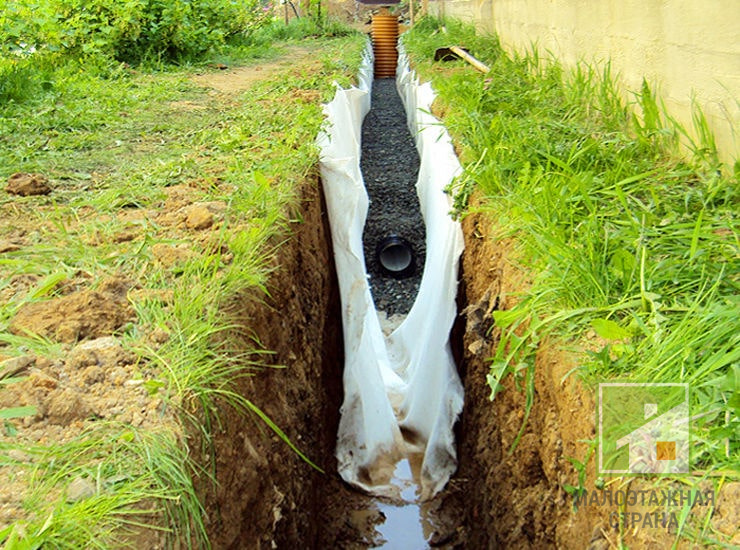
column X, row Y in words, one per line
column 78, row 316
column 28, row 184
column 96, row 380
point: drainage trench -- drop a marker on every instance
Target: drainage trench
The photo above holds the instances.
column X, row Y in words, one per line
column 395, row 250
column 265, row 496
column 398, row 283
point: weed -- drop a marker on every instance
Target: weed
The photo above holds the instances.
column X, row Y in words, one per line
column 577, row 491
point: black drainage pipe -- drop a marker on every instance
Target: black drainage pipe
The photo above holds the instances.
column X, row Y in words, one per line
column 395, row 256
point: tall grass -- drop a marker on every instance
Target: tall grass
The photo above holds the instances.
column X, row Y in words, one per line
column 114, row 143
column 133, row 475
column 626, row 236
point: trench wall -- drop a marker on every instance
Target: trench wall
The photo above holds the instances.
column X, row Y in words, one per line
column 264, row 492
column 687, row 48
column 514, row 497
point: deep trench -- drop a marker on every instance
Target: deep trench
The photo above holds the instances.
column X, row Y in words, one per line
column 265, row 496
column 390, row 168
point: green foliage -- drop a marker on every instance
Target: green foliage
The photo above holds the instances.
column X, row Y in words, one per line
column 127, row 30
column 126, row 467
column 44, row 43
column 298, row 29
column 627, row 238
column 582, row 468
column 17, row 80
column 135, row 30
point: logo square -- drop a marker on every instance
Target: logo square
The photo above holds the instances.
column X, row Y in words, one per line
column 666, row 450
column 643, row 428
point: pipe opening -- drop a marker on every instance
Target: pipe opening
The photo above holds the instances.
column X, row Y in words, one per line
column 395, row 256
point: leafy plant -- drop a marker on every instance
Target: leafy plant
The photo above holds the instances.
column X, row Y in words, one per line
column 131, row 30
column 581, row 467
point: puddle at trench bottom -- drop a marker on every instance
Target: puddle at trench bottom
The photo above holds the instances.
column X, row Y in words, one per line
column 405, row 526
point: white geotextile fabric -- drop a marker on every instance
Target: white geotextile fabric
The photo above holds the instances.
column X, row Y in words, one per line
column 413, row 368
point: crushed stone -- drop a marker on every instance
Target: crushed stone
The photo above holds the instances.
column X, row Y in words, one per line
column 390, row 168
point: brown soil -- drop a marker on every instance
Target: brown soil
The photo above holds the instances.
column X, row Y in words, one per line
column 81, row 315
column 96, row 379
column 240, row 79
column 266, row 494
column 516, row 498
column 26, row 185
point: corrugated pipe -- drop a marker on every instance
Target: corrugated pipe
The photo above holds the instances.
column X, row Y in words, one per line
column 385, row 38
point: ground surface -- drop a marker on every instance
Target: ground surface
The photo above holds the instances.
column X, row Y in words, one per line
column 266, row 496
column 88, row 374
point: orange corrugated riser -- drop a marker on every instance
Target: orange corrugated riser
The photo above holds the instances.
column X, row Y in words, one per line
column 385, row 37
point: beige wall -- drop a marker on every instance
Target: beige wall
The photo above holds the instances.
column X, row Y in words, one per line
column 685, row 48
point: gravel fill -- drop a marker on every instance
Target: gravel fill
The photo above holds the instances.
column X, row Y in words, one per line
column 390, row 167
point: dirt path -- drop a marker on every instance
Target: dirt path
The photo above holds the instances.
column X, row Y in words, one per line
column 227, row 80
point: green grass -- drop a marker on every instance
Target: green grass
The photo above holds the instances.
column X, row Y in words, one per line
column 625, row 235
column 134, row 475
column 113, row 143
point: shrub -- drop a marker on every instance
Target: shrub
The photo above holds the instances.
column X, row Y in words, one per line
column 128, row 30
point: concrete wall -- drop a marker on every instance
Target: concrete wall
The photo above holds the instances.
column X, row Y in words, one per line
column 686, row 48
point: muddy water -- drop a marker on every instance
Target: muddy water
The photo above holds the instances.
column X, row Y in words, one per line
column 400, row 523
column 403, row 522
column 404, row 525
